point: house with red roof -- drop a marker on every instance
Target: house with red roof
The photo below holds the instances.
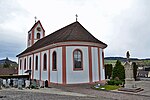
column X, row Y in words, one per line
column 70, row 55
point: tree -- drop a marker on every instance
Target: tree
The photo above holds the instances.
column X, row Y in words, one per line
column 6, row 64
column 108, row 70
column 134, row 70
column 118, row 71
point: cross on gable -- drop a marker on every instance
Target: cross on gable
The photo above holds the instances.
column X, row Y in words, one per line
column 76, row 17
column 35, row 18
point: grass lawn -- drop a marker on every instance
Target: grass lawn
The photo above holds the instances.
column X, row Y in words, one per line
column 108, row 87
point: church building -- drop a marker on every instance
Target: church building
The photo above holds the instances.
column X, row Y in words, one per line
column 70, row 55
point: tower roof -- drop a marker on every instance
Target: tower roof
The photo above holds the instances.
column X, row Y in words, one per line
column 72, row 32
column 36, row 25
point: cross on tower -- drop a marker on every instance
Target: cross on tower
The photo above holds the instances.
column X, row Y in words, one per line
column 35, row 18
column 76, row 17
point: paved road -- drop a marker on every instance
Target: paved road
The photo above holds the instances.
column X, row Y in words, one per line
column 24, row 95
column 74, row 92
column 85, row 89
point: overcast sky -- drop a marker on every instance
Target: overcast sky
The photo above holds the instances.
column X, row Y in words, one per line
column 122, row 24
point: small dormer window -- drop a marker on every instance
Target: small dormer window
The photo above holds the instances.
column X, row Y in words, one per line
column 38, row 35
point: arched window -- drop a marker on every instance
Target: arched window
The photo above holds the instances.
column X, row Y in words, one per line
column 38, row 36
column 30, row 63
column 25, row 64
column 20, row 64
column 45, row 62
column 29, row 36
column 103, row 58
column 54, row 61
column 77, row 60
column 36, row 63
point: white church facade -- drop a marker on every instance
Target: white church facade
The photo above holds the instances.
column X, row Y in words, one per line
column 70, row 55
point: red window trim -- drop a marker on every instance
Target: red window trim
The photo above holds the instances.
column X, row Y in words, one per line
column 53, row 61
column 44, row 68
column 78, row 69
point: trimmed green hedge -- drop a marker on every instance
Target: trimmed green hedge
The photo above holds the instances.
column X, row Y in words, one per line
column 115, row 82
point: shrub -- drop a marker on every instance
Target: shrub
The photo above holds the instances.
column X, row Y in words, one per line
column 118, row 71
column 118, row 82
column 115, row 82
column 108, row 70
column 135, row 70
column 111, row 82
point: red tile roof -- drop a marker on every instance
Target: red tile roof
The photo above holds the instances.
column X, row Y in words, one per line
column 8, row 71
column 72, row 32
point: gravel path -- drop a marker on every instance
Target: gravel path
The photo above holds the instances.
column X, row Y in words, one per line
column 75, row 92
column 86, row 89
column 21, row 95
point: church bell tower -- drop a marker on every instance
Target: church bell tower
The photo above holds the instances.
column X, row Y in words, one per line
column 35, row 33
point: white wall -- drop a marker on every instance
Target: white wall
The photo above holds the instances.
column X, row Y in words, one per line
column 35, row 33
column 101, row 66
column 56, row 76
column 31, row 63
column 37, row 72
column 72, row 76
column 29, row 41
column 95, row 72
column 20, row 71
column 81, row 76
column 44, row 73
column 23, row 70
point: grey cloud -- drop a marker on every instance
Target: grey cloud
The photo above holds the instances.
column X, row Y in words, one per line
column 131, row 31
column 10, row 40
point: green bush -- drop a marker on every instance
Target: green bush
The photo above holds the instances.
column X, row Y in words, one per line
column 108, row 70
column 115, row 82
column 118, row 82
column 118, row 71
column 111, row 82
column 135, row 70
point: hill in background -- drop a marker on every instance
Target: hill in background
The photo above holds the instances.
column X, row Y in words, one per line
column 139, row 62
column 12, row 64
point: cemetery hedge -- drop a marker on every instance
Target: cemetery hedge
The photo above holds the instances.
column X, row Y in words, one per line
column 108, row 70
column 115, row 82
column 118, row 72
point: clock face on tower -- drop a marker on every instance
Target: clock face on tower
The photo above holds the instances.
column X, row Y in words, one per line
column 38, row 29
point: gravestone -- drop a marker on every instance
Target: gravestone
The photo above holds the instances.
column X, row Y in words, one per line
column 1, row 83
column 7, row 83
column 20, row 84
column 34, row 83
column 130, row 85
column 11, row 83
column 41, row 84
column 129, row 79
column 46, row 83
column 15, row 83
column 27, row 83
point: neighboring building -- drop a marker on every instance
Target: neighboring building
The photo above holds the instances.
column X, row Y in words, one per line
column 143, row 74
column 8, row 71
column 8, row 63
column 143, row 71
column 70, row 55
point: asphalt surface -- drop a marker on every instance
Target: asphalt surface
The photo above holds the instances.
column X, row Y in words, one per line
column 24, row 95
column 74, row 92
